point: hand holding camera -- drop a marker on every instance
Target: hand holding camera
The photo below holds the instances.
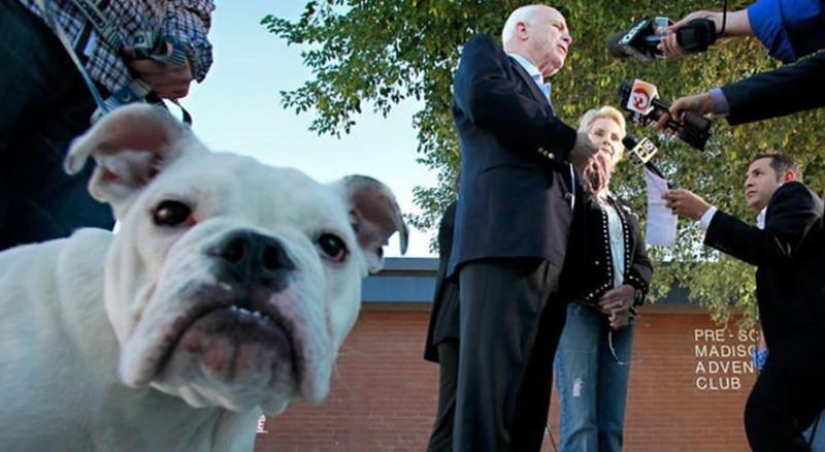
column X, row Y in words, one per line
column 675, row 42
column 660, row 37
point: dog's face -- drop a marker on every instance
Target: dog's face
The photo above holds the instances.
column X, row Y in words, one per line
column 230, row 283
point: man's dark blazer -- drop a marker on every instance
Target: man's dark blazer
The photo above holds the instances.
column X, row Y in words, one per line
column 588, row 273
column 444, row 316
column 788, row 89
column 514, row 196
column 790, row 276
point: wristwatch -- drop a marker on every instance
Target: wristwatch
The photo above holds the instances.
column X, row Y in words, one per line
column 638, row 298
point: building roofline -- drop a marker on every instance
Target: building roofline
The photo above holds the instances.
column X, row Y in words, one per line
column 410, row 281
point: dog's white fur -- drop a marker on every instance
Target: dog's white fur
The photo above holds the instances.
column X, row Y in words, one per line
column 129, row 341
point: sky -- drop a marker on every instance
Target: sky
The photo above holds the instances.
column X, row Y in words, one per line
column 238, row 108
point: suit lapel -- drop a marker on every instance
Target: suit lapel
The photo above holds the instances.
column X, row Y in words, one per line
column 534, row 88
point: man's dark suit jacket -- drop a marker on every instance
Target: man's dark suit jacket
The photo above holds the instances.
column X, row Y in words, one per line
column 444, row 316
column 790, row 276
column 514, row 198
column 788, row 89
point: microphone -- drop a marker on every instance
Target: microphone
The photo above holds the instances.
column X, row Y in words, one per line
column 642, row 40
column 642, row 100
column 641, row 153
column 639, row 42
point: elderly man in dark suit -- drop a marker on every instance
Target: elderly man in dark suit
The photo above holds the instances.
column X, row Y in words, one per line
column 786, row 246
column 512, row 225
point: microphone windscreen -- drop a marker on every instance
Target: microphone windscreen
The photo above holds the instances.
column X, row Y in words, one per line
column 613, row 48
column 629, row 142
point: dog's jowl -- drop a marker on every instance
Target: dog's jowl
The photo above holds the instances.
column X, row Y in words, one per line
column 226, row 292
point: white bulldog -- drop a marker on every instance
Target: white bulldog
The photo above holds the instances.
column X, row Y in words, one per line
column 225, row 294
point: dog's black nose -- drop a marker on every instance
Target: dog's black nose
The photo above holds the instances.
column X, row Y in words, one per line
column 255, row 258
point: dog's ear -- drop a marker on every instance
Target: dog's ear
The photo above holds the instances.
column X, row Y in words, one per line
column 130, row 145
column 375, row 217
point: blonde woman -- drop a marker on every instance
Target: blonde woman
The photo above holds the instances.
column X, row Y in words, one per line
column 610, row 272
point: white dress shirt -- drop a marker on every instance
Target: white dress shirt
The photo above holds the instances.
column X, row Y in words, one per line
column 534, row 73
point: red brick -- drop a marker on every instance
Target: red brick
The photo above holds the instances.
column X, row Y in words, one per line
column 383, row 393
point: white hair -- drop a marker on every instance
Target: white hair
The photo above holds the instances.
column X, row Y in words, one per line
column 606, row 112
column 521, row 14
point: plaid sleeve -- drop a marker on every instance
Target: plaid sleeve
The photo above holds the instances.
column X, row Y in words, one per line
column 187, row 22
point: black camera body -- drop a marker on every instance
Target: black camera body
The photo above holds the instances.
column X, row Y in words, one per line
column 641, row 100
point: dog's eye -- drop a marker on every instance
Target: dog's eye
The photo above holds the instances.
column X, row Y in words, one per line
column 333, row 247
column 171, row 213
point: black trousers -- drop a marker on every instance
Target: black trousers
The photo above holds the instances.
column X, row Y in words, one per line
column 511, row 321
column 441, row 439
column 781, row 406
column 45, row 106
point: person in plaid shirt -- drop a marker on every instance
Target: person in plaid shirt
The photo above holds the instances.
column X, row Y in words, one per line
column 45, row 103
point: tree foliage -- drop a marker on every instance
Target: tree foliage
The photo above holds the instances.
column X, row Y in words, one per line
column 376, row 53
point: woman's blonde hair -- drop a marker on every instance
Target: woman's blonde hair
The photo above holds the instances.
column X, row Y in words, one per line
column 604, row 112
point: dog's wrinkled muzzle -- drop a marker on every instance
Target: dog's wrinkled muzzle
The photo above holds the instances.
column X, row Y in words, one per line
column 233, row 333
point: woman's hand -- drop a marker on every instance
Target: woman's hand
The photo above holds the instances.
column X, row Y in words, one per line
column 616, row 303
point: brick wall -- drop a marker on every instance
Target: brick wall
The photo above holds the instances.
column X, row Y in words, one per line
column 383, row 394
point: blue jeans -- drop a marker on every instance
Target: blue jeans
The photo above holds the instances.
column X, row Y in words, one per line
column 45, row 104
column 591, row 382
column 818, row 444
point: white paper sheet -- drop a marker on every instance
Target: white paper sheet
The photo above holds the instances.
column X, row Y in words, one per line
column 661, row 222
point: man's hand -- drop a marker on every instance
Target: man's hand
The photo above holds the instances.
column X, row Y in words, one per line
column 670, row 47
column 685, row 203
column 736, row 23
column 582, row 151
column 616, row 303
column 166, row 80
column 700, row 103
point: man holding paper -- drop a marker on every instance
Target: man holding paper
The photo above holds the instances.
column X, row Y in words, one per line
column 786, row 246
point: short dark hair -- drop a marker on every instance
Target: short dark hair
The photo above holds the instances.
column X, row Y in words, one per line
column 780, row 162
